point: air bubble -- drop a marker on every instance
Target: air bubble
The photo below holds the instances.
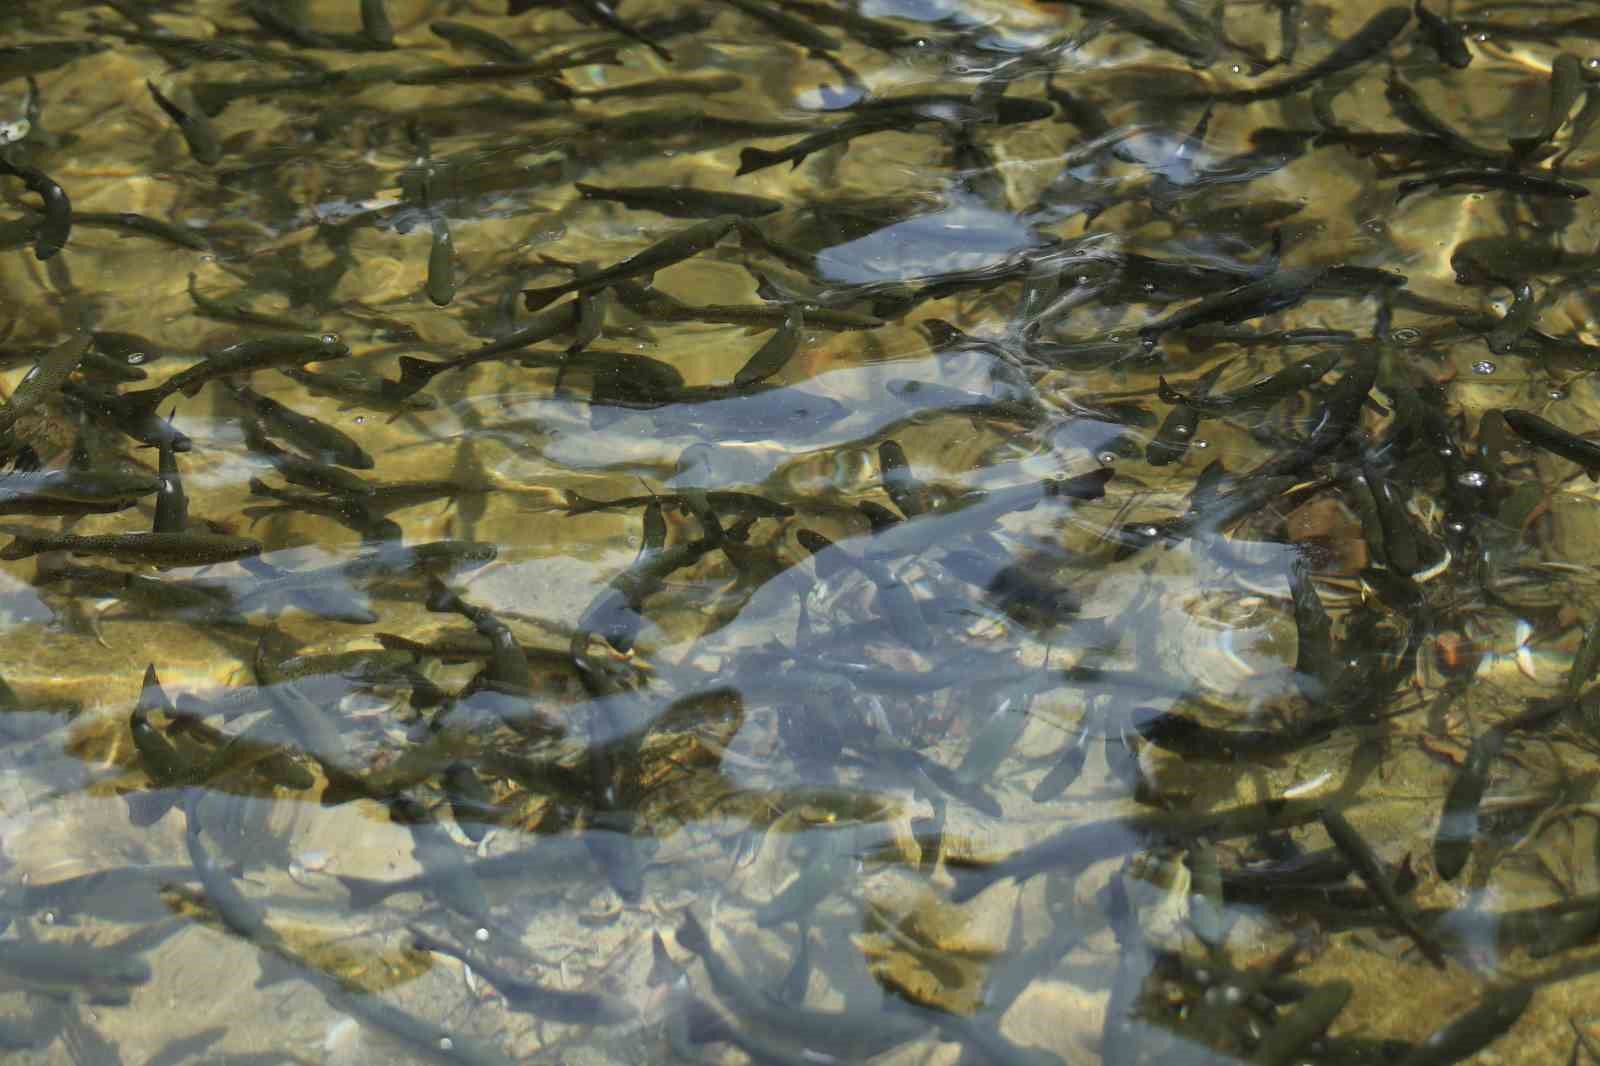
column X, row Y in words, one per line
column 1483, row 366
column 446, row 1044
column 330, row 338
column 1592, row 63
column 1475, row 479
column 481, row 935
column 1202, row 444
column 1456, row 527
column 1106, row 458
column 1237, row 69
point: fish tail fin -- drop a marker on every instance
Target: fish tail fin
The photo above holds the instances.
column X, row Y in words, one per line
column 364, row 892
column 691, row 935
column 577, row 504
column 21, row 547
column 754, row 159
column 275, row 970
column 415, row 373
column 343, row 787
column 537, row 299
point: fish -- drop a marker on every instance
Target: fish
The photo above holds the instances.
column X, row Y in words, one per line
column 1156, row 32
column 1444, row 37
column 683, row 201
column 1552, row 438
column 801, row 31
column 529, row 997
column 1291, row 379
column 194, row 125
column 225, row 311
column 470, row 801
column 485, row 41
column 603, row 13
column 852, row 1033
column 1303, row 1024
column 1458, row 824
column 172, row 503
column 324, row 443
column 1465, row 1036
column 77, row 486
column 380, row 394
column 1185, row 736
column 1277, row 291
column 1518, row 319
column 1081, row 845
column 441, row 285
column 52, row 234
column 1371, row 40
column 754, row 159
column 674, row 248
column 775, row 354
column 1566, row 85
column 243, row 358
column 162, row 549
column 899, row 483
column 1172, row 440
column 375, row 24
column 1371, row 871
column 1505, row 180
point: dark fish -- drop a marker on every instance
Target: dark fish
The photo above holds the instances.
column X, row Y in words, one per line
column 226, row 311
column 1289, row 380
column 375, row 23
column 1303, row 1024
column 1172, row 440
column 683, row 201
column 163, row 549
column 1566, row 85
column 441, row 284
column 325, row 443
column 243, row 358
column 1370, row 41
column 1444, row 37
column 380, row 394
column 193, row 124
column 138, row 420
column 798, row 30
column 172, row 504
column 1158, row 33
column 1458, row 825
column 1475, row 1030
column 1366, row 864
column 1185, row 736
column 132, row 222
column 754, row 159
column 600, row 12
column 485, row 41
column 470, row 800
column 899, row 482
column 1507, row 180
column 674, row 248
column 1277, row 291
column 77, row 486
column 775, row 354
column 1552, row 438
column 52, row 235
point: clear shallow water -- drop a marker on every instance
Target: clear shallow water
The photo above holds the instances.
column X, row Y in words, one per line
column 817, row 753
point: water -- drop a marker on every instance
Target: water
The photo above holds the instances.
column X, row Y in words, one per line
column 867, row 623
